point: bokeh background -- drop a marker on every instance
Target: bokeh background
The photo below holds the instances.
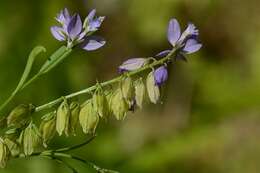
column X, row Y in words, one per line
column 209, row 120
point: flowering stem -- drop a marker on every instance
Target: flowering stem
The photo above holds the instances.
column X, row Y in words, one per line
column 107, row 83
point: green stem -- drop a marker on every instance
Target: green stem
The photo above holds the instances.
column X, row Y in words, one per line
column 76, row 146
column 104, row 84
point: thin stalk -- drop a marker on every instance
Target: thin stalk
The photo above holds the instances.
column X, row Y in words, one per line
column 76, row 146
column 104, row 84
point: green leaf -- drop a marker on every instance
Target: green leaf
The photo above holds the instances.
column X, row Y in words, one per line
column 34, row 53
column 55, row 59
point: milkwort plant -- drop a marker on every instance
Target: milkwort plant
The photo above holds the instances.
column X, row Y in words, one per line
column 22, row 137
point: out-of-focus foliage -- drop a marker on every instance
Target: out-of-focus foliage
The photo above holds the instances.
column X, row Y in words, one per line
column 209, row 121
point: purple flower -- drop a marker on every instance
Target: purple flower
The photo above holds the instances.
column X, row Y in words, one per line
column 132, row 64
column 185, row 43
column 74, row 32
column 92, row 23
column 160, row 75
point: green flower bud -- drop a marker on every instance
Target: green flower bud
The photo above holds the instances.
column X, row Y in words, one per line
column 13, row 133
column 63, row 115
column 20, row 115
column 88, row 118
column 47, row 128
column 140, row 92
column 4, row 153
column 109, row 99
column 152, row 89
column 127, row 88
column 74, row 118
column 100, row 103
column 31, row 139
column 119, row 105
column 13, row 147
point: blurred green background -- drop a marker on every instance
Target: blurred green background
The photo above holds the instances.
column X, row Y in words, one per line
column 210, row 118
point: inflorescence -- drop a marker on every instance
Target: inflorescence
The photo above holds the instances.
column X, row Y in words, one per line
column 140, row 81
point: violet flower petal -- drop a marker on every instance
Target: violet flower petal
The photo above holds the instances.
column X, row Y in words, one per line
column 162, row 54
column 93, row 43
column 192, row 46
column 74, row 27
column 57, row 33
column 174, row 31
column 160, row 75
column 132, row 64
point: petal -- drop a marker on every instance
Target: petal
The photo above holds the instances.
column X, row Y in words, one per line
column 57, row 33
column 93, row 43
column 174, row 31
column 133, row 64
column 160, row 75
column 91, row 15
column 162, row 54
column 74, row 26
column 192, row 46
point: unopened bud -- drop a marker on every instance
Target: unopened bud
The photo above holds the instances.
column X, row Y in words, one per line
column 119, row 105
column 31, row 139
column 88, row 118
column 100, row 103
column 20, row 115
column 152, row 89
column 13, row 147
column 63, row 115
column 140, row 92
column 4, row 153
column 74, row 118
column 47, row 128
column 127, row 88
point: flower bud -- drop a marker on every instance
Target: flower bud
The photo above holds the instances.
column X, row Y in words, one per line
column 88, row 118
column 31, row 139
column 127, row 88
column 140, row 92
column 13, row 147
column 20, row 115
column 74, row 118
column 100, row 103
column 133, row 64
column 152, row 89
column 63, row 115
column 12, row 133
column 47, row 128
column 4, row 153
column 119, row 105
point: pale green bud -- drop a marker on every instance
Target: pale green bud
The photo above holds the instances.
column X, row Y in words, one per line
column 127, row 88
column 140, row 92
column 20, row 115
column 63, row 115
column 119, row 105
column 152, row 89
column 74, row 118
column 88, row 118
column 31, row 139
column 4, row 153
column 12, row 133
column 13, row 147
column 47, row 128
column 100, row 103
